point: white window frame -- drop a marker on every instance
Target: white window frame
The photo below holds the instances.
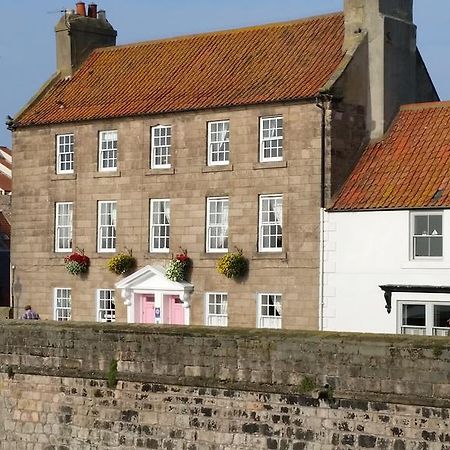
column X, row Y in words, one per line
column 218, row 142
column 60, row 227
column 107, row 150
column 62, row 304
column 216, row 319
column 159, row 230
column 105, row 298
column 106, row 230
column 161, row 146
column 65, row 149
column 413, row 215
column 222, row 229
column 267, row 135
column 263, row 224
column 267, row 320
column 429, row 329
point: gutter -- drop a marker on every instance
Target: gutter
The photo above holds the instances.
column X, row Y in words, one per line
column 322, row 101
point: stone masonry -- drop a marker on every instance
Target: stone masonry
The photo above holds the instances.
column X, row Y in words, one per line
column 198, row 388
column 292, row 272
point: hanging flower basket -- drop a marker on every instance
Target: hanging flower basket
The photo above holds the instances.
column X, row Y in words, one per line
column 76, row 263
column 177, row 268
column 233, row 264
column 122, row 263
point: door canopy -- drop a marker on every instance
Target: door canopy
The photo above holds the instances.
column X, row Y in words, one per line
column 153, row 279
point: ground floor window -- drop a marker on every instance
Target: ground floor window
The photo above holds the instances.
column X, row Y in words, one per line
column 63, row 304
column 216, row 309
column 424, row 318
column 106, row 307
column 269, row 311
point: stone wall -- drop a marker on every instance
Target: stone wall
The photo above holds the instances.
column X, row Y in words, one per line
column 196, row 388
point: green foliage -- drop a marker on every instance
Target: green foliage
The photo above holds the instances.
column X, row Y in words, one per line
column 307, row 385
column 112, row 376
column 232, row 265
column 121, row 263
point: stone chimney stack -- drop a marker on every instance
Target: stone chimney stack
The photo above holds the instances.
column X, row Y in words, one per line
column 78, row 33
column 392, row 55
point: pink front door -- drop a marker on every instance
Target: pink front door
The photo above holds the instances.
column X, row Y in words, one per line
column 148, row 308
column 173, row 310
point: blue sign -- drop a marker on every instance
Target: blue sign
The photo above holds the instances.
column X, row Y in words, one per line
column 157, row 313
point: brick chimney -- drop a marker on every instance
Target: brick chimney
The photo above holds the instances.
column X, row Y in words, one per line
column 392, row 56
column 78, row 33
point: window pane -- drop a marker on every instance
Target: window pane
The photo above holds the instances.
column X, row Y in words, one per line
column 414, row 315
column 421, row 246
column 441, row 315
column 435, row 228
column 436, row 246
column 421, row 225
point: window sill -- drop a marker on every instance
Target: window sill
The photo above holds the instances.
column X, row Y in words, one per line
column 107, row 174
column 270, row 255
column 218, row 168
column 161, row 255
column 426, row 264
column 63, row 176
column 270, row 165
column 169, row 171
column 214, row 256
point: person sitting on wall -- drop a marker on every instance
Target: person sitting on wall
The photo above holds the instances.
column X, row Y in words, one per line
column 30, row 314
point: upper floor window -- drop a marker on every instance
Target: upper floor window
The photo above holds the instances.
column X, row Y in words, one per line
column 218, row 142
column 269, row 311
column 271, row 139
column 216, row 309
column 107, row 218
column 63, row 226
column 161, row 146
column 424, row 318
column 107, row 158
column 160, row 225
column 62, row 307
column 426, row 234
column 64, row 153
column 106, row 306
column 270, row 223
column 217, row 224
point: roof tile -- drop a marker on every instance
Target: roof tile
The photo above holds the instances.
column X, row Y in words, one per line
column 406, row 168
column 270, row 63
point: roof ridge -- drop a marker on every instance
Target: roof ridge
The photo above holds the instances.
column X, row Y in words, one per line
column 219, row 32
column 425, row 105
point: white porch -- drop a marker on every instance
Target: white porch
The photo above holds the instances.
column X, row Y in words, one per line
column 150, row 297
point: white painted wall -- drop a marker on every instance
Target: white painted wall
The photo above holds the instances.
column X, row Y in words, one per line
column 363, row 250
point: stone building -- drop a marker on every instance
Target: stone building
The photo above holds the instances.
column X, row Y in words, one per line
column 210, row 143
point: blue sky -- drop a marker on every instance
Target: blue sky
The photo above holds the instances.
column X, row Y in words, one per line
column 27, row 48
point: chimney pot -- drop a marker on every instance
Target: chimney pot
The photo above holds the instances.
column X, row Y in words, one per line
column 92, row 10
column 101, row 15
column 81, row 9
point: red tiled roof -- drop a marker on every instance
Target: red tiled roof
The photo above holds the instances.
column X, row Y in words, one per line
column 5, row 163
column 5, row 182
column 6, row 150
column 5, row 227
column 409, row 168
column 269, row 63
